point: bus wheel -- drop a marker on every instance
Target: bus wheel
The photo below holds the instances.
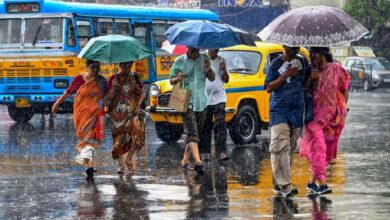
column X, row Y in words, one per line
column 243, row 128
column 169, row 133
column 20, row 114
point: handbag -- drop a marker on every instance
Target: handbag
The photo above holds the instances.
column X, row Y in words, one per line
column 308, row 108
column 179, row 98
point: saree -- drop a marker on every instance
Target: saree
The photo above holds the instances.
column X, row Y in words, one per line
column 128, row 128
column 88, row 115
column 321, row 135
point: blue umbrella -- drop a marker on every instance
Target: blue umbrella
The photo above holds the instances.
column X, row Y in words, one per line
column 205, row 35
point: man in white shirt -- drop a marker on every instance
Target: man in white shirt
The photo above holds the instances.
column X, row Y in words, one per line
column 216, row 101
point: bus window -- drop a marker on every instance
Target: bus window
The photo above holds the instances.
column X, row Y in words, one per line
column 140, row 32
column 83, row 32
column 159, row 28
column 105, row 26
column 44, row 31
column 122, row 27
column 70, row 34
column 10, row 31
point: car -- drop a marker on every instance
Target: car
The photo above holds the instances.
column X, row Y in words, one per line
column 369, row 72
column 247, row 106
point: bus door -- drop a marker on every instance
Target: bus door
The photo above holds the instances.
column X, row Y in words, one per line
column 143, row 31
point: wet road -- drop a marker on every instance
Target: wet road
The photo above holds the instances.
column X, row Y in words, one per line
column 39, row 180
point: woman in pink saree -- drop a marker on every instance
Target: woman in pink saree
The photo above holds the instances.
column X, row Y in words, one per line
column 329, row 83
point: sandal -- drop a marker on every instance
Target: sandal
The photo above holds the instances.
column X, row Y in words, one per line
column 120, row 171
column 223, row 157
column 187, row 166
column 199, row 168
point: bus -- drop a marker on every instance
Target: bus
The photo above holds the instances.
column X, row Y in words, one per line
column 40, row 40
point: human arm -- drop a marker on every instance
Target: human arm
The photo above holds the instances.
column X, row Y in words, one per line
column 178, row 78
column 225, row 74
column 209, row 71
column 59, row 101
column 72, row 89
column 176, row 75
column 140, row 100
column 275, row 84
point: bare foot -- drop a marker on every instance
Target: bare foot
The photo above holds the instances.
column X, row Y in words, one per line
column 131, row 165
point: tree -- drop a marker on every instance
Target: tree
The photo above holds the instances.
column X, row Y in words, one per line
column 375, row 16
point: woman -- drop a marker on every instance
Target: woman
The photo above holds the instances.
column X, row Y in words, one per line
column 329, row 83
column 88, row 116
column 125, row 98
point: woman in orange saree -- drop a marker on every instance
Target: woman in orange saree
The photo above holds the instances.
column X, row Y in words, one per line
column 125, row 96
column 88, row 113
column 321, row 135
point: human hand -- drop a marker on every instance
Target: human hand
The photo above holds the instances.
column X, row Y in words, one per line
column 180, row 76
column 206, row 65
column 315, row 74
column 137, row 110
column 222, row 66
column 291, row 72
column 54, row 109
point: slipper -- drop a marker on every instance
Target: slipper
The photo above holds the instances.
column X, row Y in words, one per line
column 120, row 171
column 187, row 166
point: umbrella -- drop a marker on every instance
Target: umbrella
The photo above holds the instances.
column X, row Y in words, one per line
column 313, row 26
column 114, row 49
column 204, row 35
column 174, row 49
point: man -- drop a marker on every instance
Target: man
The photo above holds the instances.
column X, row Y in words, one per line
column 216, row 100
column 285, row 82
column 192, row 69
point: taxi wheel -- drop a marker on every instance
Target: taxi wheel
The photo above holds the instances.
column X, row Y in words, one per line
column 169, row 133
column 20, row 114
column 244, row 126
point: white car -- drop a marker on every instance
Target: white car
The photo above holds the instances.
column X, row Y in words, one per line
column 370, row 72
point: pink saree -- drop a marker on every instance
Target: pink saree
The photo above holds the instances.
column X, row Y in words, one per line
column 321, row 136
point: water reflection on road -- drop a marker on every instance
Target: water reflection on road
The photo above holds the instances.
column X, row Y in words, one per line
column 38, row 178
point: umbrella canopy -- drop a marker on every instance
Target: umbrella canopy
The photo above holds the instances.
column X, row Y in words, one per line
column 204, row 35
column 114, row 49
column 174, row 49
column 313, row 26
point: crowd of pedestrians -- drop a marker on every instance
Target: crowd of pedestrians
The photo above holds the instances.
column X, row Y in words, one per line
column 290, row 80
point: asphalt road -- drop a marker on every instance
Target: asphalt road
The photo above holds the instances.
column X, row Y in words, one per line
column 39, row 179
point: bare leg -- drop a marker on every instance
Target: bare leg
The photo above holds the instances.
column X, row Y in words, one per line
column 195, row 151
column 89, row 163
column 131, row 165
column 121, row 168
column 187, row 154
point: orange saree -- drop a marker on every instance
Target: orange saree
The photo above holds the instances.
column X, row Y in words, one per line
column 87, row 115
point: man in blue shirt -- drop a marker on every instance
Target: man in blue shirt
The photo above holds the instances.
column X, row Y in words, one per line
column 285, row 82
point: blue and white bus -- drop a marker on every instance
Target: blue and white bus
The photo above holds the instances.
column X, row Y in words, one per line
column 40, row 40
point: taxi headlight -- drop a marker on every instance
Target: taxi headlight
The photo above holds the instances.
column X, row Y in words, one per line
column 154, row 90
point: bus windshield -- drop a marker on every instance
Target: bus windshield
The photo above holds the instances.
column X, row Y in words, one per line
column 44, row 30
column 10, row 31
column 42, row 33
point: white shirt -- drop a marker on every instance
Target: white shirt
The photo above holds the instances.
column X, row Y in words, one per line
column 215, row 92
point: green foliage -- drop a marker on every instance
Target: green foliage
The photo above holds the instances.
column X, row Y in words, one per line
column 375, row 16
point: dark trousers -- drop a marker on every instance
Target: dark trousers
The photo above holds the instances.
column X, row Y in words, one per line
column 219, row 126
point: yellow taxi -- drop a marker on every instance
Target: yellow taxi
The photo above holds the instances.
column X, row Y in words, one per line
column 247, row 103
